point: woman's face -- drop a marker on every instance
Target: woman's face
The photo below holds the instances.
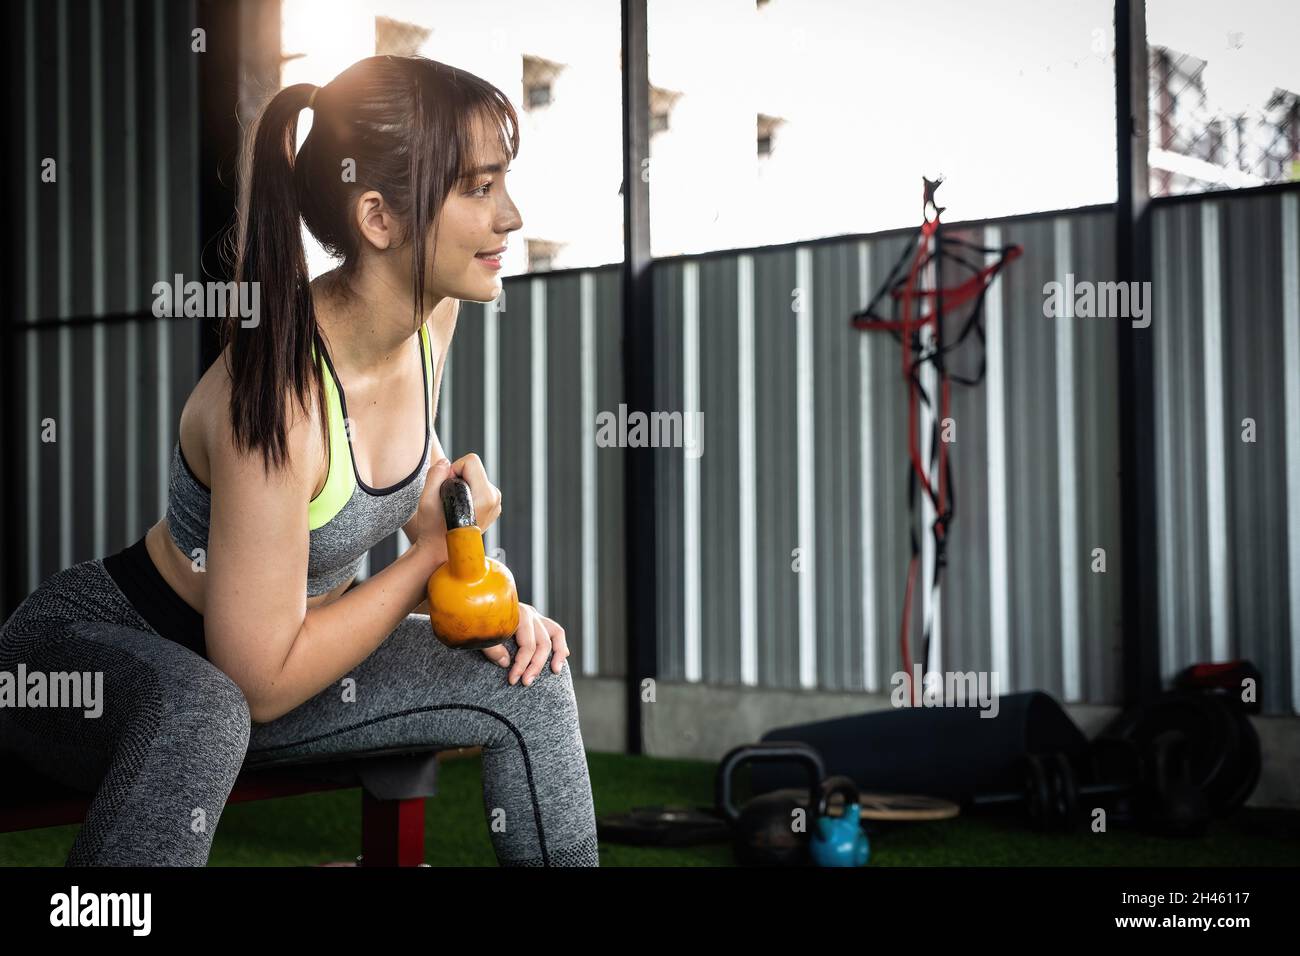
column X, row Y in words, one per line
column 476, row 218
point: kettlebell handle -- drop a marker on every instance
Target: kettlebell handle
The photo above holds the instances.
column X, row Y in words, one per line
column 457, row 504
column 768, row 751
column 830, row 787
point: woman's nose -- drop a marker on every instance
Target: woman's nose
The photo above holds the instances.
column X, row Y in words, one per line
column 510, row 220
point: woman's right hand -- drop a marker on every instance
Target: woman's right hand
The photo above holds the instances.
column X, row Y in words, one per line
column 485, row 496
column 431, row 516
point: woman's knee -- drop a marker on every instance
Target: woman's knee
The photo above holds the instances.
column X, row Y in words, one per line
column 215, row 716
column 165, row 690
column 550, row 695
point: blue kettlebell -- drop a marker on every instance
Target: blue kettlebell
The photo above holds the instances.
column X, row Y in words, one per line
column 839, row 841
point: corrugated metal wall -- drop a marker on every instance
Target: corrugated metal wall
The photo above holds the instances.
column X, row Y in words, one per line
column 1227, row 323
column 803, row 499
column 96, row 90
column 761, row 584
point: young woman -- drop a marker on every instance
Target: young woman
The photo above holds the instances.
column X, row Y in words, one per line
column 229, row 635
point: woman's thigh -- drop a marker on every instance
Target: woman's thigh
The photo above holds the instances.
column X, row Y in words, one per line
column 144, row 692
column 158, row 736
column 144, row 698
column 413, row 692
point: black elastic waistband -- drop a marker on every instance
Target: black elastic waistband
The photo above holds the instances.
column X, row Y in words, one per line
column 149, row 593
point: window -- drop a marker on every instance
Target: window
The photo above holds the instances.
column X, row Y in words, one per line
column 539, row 79
column 541, row 254
column 767, row 127
column 661, row 107
column 1224, row 110
column 397, row 38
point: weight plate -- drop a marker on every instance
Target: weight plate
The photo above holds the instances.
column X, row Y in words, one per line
column 906, row 807
column 664, row 826
column 1211, row 731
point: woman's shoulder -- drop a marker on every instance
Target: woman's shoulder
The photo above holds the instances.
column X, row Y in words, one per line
column 206, row 430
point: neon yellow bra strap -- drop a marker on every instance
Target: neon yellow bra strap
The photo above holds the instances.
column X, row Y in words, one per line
column 428, row 369
column 340, row 482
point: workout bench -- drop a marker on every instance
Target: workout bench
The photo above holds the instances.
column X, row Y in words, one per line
column 393, row 787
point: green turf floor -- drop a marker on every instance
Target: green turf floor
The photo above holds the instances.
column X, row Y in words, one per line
column 319, row 828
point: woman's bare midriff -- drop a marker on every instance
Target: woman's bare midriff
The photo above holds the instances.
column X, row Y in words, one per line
column 177, row 570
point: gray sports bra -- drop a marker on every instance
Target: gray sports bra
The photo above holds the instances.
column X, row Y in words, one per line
column 346, row 519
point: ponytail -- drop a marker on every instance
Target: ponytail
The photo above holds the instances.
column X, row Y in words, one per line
column 271, row 361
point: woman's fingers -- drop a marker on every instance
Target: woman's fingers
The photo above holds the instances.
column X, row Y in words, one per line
column 431, row 520
column 559, row 646
column 541, row 648
column 537, row 637
column 487, row 497
column 526, row 638
column 497, row 654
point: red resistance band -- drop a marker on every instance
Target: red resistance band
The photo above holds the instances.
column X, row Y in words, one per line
column 928, row 246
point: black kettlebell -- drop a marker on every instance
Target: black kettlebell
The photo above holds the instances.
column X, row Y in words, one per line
column 764, row 830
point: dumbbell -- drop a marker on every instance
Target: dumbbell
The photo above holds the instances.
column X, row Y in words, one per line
column 1050, row 795
column 1151, row 787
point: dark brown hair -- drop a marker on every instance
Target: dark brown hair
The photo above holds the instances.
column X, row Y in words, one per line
column 406, row 126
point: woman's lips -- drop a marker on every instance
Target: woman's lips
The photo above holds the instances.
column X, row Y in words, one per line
column 492, row 262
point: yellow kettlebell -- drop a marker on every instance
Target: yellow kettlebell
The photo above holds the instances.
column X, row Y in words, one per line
column 472, row 598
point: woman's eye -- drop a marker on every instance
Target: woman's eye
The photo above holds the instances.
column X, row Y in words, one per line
column 487, row 185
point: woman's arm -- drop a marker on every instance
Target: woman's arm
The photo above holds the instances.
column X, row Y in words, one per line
column 336, row 637
column 258, row 627
column 423, row 606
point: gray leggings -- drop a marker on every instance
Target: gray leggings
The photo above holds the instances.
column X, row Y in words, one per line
column 174, row 731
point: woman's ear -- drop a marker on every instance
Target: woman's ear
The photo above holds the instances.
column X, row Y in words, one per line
column 373, row 221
